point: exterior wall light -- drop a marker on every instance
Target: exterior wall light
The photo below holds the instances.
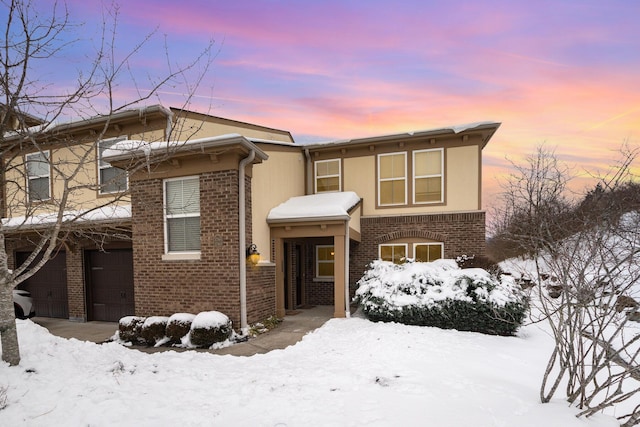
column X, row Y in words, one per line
column 253, row 256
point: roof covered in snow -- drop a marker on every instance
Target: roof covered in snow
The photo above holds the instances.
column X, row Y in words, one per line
column 128, row 149
column 315, row 206
column 490, row 126
column 103, row 214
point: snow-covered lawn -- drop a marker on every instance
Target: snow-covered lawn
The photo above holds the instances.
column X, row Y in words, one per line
column 350, row 372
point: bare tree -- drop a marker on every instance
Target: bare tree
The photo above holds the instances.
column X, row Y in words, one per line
column 533, row 194
column 586, row 266
column 28, row 110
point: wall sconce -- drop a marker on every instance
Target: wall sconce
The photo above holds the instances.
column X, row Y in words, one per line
column 253, row 256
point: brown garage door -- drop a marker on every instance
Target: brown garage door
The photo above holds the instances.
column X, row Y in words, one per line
column 109, row 284
column 48, row 286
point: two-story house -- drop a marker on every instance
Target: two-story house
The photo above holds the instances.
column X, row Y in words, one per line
column 183, row 221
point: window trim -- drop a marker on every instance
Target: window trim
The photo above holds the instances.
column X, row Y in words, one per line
column 441, row 175
column 405, row 245
column 339, row 175
column 178, row 255
column 428, row 244
column 380, row 179
column 100, row 167
column 47, row 155
column 318, row 261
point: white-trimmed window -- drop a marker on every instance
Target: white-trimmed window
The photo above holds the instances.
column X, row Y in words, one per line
column 110, row 178
column 427, row 252
column 396, row 252
column 325, row 261
column 38, row 176
column 392, row 179
column 428, row 182
column 328, row 175
column 182, row 215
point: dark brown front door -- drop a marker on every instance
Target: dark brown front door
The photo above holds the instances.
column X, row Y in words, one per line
column 48, row 286
column 109, row 284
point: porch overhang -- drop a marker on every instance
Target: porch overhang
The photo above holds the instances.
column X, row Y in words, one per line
column 336, row 206
column 334, row 215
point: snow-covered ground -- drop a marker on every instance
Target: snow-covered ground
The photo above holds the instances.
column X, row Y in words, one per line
column 350, row 372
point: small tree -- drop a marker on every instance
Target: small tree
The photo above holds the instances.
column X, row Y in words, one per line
column 589, row 286
column 30, row 38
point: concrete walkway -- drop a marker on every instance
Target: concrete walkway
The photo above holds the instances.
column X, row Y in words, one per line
column 288, row 332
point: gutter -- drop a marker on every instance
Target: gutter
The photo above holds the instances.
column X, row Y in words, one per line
column 347, row 311
column 242, row 231
column 309, row 219
column 308, row 189
column 169, row 128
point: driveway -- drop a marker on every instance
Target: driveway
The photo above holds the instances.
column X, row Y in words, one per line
column 288, row 332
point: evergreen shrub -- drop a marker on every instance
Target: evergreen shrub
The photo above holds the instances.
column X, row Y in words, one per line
column 443, row 295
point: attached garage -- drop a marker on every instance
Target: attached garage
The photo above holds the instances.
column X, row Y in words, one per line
column 48, row 286
column 109, row 284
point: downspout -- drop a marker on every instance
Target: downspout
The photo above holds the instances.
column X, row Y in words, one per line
column 242, row 231
column 347, row 312
column 308, row 187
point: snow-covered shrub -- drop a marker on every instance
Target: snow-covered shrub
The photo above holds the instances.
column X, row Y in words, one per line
column 210, row 327
column 178, row 326
column 441, row 294
column 129, row 328
column 153, row 329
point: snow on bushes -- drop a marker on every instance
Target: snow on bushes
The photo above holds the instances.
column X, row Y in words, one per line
column 153, row 330
column 210, row 327
column 178, row 326
column 205, row 329
column 129, row 328
column 441, row 294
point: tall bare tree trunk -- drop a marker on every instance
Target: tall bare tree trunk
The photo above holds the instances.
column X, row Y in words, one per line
column 8, row 334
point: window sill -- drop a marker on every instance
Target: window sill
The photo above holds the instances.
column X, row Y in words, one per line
column 324, row 279
column 181, row 257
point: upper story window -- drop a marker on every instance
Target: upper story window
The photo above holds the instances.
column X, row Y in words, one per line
column 328, row 175
column 38, row 176
column 110, row 179
column 392, row 179
column 427, row 176
column 427, row 252
column 182, row 214
column 396, row 253
column 325, row 261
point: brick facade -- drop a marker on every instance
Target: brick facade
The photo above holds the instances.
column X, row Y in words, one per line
column 261, row 292
column 164, row 287
column 461, row 234
column 76, row 284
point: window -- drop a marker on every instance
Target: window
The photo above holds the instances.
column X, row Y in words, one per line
column 111, row 179
column 182, row 214
column 392, row 179
column 427, row 176
column 325, row 261
column 38, row 176
column 327, row 175
column 427, row 252
column 396, row 253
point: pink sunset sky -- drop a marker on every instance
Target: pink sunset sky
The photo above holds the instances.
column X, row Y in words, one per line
column 564, row 72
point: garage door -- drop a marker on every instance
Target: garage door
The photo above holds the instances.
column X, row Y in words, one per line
column 109, row 284
column 48, row 286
